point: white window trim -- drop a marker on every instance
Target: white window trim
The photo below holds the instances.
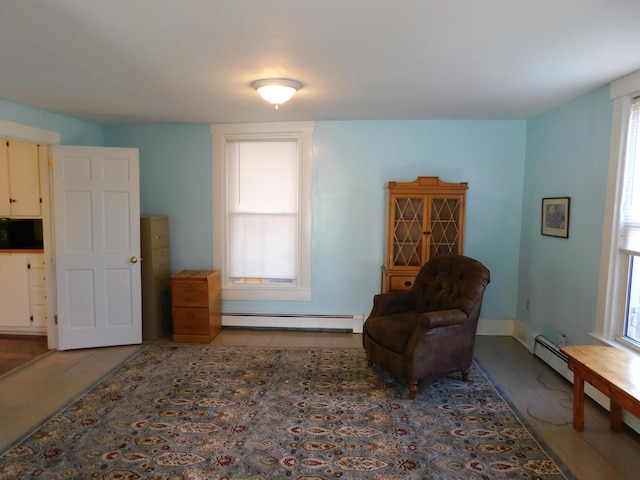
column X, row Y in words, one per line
column 220, row 134
column 613, row 262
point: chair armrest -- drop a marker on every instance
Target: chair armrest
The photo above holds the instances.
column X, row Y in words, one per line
column 392, row 302
column 442, row 318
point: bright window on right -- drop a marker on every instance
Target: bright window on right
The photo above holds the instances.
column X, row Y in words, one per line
column 630, row 225
column 620, row 316
column 632, row 310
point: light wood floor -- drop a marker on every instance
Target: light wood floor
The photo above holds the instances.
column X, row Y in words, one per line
column 32, row 394
column 17, row 350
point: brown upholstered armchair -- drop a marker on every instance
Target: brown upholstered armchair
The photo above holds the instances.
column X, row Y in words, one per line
column 429, row 330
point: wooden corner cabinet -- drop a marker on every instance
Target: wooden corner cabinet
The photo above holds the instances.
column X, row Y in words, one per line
column 425, row 218
column 195, row 298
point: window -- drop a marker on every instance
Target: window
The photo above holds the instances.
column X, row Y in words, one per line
column 619, row 300
column 632, row 310
column 262, row 205
column 630, row 224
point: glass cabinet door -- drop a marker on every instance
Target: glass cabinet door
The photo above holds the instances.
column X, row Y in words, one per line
column 408, row 231
column 444, row 234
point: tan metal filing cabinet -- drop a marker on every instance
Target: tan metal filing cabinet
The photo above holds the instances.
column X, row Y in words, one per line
column 156, row 277
column 195, row 295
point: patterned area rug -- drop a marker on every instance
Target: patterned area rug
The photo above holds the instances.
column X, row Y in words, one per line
column 209, row 412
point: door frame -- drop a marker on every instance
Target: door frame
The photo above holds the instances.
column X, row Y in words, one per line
column 17, row 131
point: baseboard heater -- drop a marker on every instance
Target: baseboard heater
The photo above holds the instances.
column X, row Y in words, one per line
column 352, row 322
column 550, row 353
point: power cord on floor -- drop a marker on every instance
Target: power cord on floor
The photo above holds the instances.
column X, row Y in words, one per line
column 562, row 402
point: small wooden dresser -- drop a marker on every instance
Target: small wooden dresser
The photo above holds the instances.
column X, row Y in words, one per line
column 195, row 298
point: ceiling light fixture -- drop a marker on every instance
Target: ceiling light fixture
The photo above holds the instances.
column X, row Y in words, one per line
column 276, row 91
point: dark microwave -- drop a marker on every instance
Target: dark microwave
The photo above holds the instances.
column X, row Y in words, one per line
column 21, row 233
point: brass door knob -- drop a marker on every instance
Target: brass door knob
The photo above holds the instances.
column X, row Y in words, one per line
column 133, row 259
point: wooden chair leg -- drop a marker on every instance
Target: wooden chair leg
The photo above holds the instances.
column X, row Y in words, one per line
column 465, row 375
column 413, row 388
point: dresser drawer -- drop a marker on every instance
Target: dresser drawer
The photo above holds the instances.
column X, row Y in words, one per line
column 36, row 277
column 158, row 232
column 160, row 261
column 189, row 293
column 38, row 295
column 190, row 321
column 400, row 283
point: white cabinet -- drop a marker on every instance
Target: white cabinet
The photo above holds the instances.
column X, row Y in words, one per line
column 37, row 291
column 22, row 292
column 20, row 179
column 14, row 291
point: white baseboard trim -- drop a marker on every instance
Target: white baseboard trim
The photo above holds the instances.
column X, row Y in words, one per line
column 351, row 322
column 40, row 331
column 502, row 328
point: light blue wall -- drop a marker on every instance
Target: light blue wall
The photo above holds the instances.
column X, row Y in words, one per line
column 175, row 180
column 563, row 152
column 352, row 162
column 72, row 131
column 567, row 155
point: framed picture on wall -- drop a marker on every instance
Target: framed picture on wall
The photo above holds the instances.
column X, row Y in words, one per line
column 555, row 217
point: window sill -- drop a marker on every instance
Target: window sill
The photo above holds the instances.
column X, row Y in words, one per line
column 618, row 343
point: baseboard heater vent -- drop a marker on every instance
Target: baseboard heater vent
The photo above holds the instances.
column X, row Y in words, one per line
column 550, row 353
column 310, row 321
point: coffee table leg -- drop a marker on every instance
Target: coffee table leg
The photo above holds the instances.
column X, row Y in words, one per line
column 615, row 416
column 578, row 402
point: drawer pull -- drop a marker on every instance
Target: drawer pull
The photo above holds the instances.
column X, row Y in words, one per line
column 407, row 283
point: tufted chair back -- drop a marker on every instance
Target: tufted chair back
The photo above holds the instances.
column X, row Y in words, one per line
column 450, row 281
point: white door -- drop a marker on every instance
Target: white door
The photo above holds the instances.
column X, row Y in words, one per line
column 97, row 243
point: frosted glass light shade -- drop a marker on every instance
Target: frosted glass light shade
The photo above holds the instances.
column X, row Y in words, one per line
column 276, row 90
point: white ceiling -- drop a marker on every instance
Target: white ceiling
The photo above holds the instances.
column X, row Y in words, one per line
column 132, row 61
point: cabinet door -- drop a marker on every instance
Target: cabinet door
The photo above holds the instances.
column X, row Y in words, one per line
column 37, row 291
column 14, row 291
column 446, row 223
column 24, row 178
column 407, row 230
column 5, row 193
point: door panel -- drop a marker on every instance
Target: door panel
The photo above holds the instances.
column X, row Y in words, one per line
column 97, row 238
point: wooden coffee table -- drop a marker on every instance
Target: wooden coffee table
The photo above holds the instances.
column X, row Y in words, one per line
column 613, row 371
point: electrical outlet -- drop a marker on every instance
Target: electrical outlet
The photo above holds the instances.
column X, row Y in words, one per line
column 562, row 340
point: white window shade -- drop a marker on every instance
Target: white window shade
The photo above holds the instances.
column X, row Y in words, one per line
column 263, row 205
column 630, row 206
column 263, row 248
